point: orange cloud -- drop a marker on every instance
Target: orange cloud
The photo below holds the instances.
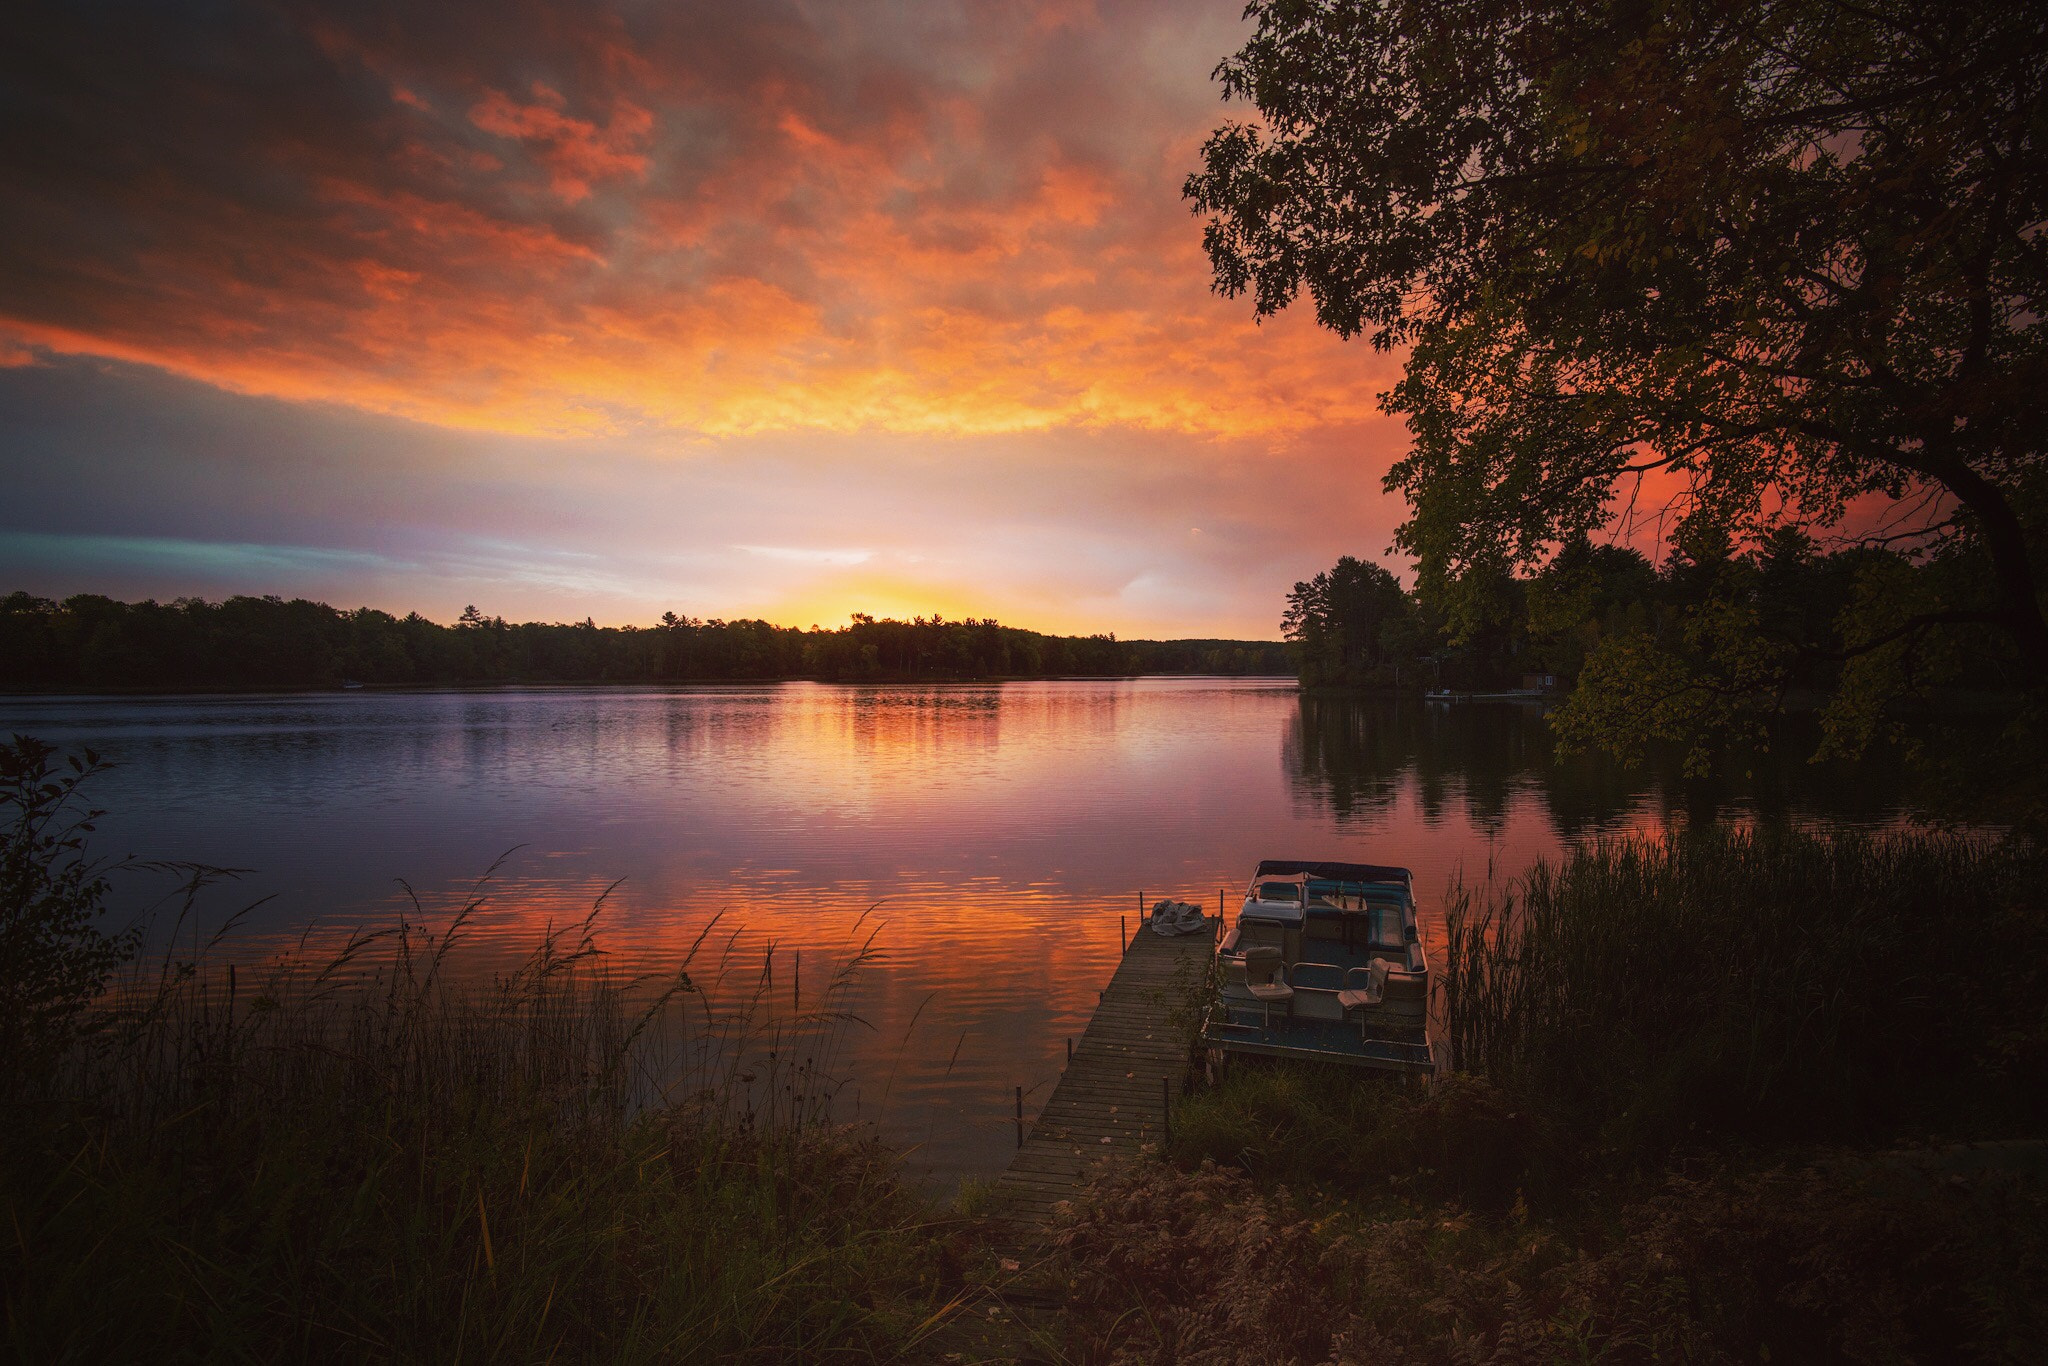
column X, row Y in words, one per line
column 733, row 224
column 575, row 151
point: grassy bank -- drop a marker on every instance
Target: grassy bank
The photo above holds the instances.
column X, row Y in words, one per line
column 1714, row 1101
column 401, row 1169
column 383, row 1153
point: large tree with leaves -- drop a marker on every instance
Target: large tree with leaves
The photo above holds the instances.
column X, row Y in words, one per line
column 1782, row 258
column 1352, row 626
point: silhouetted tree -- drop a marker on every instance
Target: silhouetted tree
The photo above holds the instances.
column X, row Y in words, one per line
column 1352, row 625
column 1787, row 253
column 96, row 642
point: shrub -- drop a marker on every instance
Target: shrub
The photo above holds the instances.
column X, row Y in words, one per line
column 55, row 958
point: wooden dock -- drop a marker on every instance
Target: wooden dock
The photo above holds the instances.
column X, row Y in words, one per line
column 1111, row 1100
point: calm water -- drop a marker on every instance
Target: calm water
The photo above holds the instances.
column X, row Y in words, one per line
column 999, row 829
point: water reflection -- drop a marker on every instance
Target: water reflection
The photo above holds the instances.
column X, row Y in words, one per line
column 1357, row 758
column 997, row 831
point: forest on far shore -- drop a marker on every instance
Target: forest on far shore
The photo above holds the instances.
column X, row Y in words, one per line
column 90, row 643
column 1797, row 612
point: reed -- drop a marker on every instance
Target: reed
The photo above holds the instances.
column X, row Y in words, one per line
column 1683, row 1071
column 381, row 1151
column 1758, row 986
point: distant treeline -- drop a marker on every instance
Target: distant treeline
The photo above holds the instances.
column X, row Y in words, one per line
column 1356, row 626
column 91, row 642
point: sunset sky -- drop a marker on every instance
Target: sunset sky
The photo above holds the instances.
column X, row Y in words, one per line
column 786, row 310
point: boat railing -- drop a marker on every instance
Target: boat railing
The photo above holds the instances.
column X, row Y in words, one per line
column 1322, row 889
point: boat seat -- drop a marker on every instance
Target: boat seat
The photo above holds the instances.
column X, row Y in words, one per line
column 1357, row 994
column 1405, row 1002
column 1258, row 934
column 1266, row 979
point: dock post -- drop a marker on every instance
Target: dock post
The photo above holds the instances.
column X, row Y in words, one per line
column 1123, row 936
column 796, row 983
column 1020, row 1116
column 1070, row 1049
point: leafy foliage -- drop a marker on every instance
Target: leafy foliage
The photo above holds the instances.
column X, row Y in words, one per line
column 1764, row 263
column 55, row 957
column 1691, row 656
column 1353, row 626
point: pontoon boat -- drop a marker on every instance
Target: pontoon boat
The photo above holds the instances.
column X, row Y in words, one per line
column 1325, row 962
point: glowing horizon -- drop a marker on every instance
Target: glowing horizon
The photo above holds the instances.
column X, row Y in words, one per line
column 591, row 313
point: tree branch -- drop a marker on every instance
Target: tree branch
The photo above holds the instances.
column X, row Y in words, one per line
column 1913, row 626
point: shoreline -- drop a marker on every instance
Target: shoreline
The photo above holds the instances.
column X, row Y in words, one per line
column 522, row 1155
column 550, row 685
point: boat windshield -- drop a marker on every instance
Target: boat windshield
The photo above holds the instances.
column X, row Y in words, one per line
column 1278, row 891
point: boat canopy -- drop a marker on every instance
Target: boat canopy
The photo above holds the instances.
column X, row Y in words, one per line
column 1332, row 872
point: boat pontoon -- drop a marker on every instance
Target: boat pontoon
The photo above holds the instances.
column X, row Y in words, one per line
column 1325, row 962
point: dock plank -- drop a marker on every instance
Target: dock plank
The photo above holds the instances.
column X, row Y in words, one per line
column 1108, row 1101
column 1106, row 1105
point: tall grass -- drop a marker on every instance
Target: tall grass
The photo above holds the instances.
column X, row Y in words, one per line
column 1759, row 985
column 1681, row 1073
column 378, row 1152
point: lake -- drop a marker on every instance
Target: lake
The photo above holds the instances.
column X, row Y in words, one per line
column 998, row 832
